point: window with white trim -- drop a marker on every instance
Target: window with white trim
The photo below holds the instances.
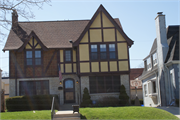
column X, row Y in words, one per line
column 154, row 59
column 149, row 63
column 145, row 89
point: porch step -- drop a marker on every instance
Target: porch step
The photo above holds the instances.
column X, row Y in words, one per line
column 66, row 115
column 67, row 106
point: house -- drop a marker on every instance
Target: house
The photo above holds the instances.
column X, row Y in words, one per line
column 160, row 77
column 134, row 82
column 91, row 53
column 5, row 80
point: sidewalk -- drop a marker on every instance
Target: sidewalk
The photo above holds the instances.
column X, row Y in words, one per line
column 173, row 110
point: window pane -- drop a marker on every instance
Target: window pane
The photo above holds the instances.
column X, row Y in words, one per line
column 38, row 61
column 93, row 48
column 109, row 87
column 29, row 61
column 112, row 55
column 38, row 88
column 154, row 86
column 103, row 47
column 100, row 84
column 28, row 54
column 111, row 47
column 116, row 82
column 45, row 87
column 37, row 54
column 69, row 84
column 92, row 81
column 103, row 55
column 94, row 55
column 68, row 55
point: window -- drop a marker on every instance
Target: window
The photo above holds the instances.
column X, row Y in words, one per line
column 154, row 59
column 145, row 90
column 104, row 84
column 154, row 87
column 94, row 54
column 103, row 53
column 34, row 87
column 37, row 57
column 68, row 55
column 112, row 51
column 32, row 56
column 29, row 57
column 149, row 63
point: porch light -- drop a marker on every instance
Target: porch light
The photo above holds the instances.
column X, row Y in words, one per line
column 77, row 81
column 60, row 83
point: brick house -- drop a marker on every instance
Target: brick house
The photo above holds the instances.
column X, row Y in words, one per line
column 91, row 53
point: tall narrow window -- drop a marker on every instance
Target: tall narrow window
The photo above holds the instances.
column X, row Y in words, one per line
column 149, row 63
column 29, row 57
column 68, row 55
column 103, row 51
column 37, row 57
column 155, row 59
column 154, row 87
column 112, row 51
column 94, row 52
column 145, row 90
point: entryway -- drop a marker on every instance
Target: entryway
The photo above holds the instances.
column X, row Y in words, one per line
column 69, row 91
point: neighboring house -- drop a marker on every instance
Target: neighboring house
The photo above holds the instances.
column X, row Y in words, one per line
column 92, row 53
column 160, row 77
column 5, row 80
column 134, row 74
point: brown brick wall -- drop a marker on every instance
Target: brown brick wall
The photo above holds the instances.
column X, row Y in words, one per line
column 38, row 71
column 52, row 70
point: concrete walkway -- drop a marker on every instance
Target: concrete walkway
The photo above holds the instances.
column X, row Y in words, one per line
column 173, row 110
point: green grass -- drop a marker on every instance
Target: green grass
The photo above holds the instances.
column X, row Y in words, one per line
column 125, row 113
column 40, row 114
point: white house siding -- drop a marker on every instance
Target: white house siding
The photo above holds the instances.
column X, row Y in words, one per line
column 148, row 101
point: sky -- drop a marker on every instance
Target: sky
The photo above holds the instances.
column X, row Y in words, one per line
column 137, row 18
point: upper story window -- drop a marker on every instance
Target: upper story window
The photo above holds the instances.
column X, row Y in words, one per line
column 103, row 51
column 149, row 63
column 36, row 55
column 154, row 59
column 68, row 55
column 112, row 51
column 145, row 90
column 94, row 54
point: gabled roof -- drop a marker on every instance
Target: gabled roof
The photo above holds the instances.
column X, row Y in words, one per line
column 53, row 34
column 118, row 27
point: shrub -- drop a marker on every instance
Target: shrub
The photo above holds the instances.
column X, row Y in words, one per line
column 107, row 101
column 123, row 97
column 36, row 102
column 86, row 100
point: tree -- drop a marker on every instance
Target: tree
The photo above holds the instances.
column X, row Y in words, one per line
column 22, row 7
column 86, row 100
column 123, row 97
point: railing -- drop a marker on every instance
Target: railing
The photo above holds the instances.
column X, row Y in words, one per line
column 52, row 109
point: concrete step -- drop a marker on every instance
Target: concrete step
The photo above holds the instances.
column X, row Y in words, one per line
column 66, row 118
column 67, row 113
column 66, row 106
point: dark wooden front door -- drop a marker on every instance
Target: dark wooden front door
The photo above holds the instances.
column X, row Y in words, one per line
column 69, row 91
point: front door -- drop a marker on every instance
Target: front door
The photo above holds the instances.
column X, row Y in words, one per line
column 69, row 91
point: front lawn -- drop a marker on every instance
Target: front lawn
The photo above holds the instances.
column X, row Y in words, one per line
column 40, row 114
column 125, row 113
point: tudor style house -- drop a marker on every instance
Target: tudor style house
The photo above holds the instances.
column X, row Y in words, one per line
column 91, row 53
column 160, row 77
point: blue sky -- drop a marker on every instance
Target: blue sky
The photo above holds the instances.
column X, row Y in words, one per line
column 136, row 16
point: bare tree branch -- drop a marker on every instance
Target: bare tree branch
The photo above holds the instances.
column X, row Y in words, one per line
column 23, row 8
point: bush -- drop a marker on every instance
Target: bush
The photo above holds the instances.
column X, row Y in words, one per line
column 86, row 100
column 107, row 102
column 36, row 102
column 123, row 97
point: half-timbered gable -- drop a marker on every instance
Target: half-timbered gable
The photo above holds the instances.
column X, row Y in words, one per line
column 89, row 53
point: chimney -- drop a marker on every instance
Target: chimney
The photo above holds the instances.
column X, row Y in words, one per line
column 162, row 45
column 14, row 18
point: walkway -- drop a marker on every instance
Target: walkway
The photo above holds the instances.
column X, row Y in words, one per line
column 173, row 110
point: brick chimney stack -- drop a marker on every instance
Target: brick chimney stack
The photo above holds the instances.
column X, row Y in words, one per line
column 14, row 18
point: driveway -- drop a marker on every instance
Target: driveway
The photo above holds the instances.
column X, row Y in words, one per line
column 173, row 110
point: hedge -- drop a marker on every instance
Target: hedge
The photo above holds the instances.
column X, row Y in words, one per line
column 36, row 102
